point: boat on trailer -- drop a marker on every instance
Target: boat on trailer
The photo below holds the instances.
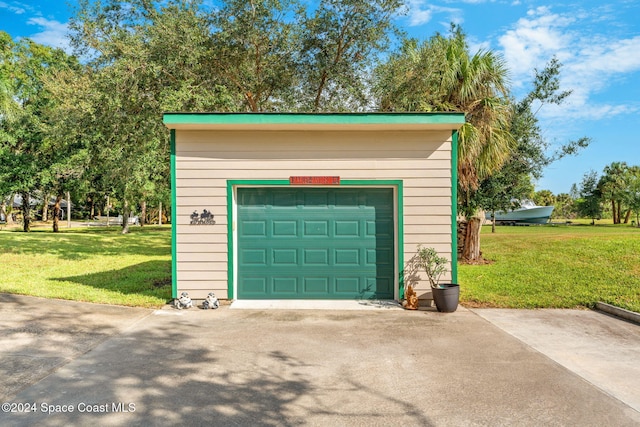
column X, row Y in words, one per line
column 527, row 213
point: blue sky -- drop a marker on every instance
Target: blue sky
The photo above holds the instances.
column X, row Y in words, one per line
column 598, row 43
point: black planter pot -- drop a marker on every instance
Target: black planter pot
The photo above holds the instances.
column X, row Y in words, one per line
column 446, row 297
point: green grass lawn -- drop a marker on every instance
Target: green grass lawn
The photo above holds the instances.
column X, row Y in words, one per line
column 89, row 264
column 555, row 266
column 533, row 267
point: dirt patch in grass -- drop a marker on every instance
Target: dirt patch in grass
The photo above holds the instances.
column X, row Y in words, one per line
column 481, row 261
column 161, row 283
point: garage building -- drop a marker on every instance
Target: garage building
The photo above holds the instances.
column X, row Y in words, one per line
column 309, row 206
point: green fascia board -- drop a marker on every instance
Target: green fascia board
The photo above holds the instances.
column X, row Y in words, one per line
column 397, row 183
column 454, row 119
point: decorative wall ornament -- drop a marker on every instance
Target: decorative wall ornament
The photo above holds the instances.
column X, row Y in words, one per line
column 205, row 218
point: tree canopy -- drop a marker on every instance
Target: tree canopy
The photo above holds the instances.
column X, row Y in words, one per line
column 32, row 158
column 94, row 124
column 145, row 58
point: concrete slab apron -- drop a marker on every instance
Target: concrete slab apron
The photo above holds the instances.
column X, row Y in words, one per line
column 39, row 335
column 319, row 368
column 600, row 348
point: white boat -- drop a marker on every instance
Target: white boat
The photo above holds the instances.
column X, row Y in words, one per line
column 527, row 213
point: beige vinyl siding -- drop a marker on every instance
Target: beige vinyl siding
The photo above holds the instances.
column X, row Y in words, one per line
column 205, row 160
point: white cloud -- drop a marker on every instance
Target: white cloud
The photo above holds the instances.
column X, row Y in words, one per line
column 534, row 40
column 14, row 7
column 420, row 12
column 419, row 16
column 592, row 62
column 478, row 45
column 53, row 33
column 612, row 56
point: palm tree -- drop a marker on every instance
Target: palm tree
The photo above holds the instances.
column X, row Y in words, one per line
column 441, row 75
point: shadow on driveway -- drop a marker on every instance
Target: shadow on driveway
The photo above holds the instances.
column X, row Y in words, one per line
column 287, row 367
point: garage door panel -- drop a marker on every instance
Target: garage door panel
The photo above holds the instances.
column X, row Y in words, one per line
column 379, row 228
column 316, row 257
column 316, row 285
column 380, row 256
column 254, row 229
column 347, row 285
column 382, row 284
column 285, row 257
column 347, row 228
column 254, row 285
column 316, row 198
column 284, row 199
column 284, row 228
column 347, row 257
column 256, row 199
column 253, row 257
column 315, row 243
column 315, row 228
column 346, row 199
column 285, row 286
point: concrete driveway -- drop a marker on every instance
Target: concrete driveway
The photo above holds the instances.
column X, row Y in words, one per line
column 121, row 366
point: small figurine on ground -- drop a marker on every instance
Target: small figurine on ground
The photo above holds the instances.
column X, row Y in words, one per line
column 183, row 302
column 211, row 302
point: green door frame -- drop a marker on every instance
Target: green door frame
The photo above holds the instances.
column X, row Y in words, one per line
column 397, row 185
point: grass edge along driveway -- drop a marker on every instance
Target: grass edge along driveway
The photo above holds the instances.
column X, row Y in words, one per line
column 555, row 267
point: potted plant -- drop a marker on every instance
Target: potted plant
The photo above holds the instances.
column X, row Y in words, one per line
column 445, row 295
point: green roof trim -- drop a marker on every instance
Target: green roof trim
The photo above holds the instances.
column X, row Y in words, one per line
column 320, row 119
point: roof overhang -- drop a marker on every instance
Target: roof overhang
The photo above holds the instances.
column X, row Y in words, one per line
column 302, row 121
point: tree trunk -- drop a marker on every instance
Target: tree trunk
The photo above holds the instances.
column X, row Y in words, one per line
column 45, row 208
column 107, row 209
column 143, row 213
column 56, row 214
column 68, row 210
column 493, row 221
column 26, row 212
column 471, row 250
column 627, row 217
column 160, row 214
column 125, row 218
column 619, row 213
column 10, row 213
column 613, row 211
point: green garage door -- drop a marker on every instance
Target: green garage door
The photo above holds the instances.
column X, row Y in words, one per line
column 315, row 243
